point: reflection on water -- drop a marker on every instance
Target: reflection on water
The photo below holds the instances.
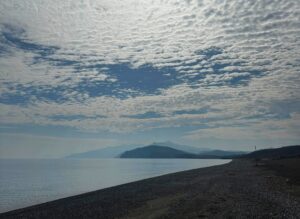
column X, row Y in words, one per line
column 27, row 182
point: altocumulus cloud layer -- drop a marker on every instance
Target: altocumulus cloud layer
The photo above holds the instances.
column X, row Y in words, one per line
column 217, row 72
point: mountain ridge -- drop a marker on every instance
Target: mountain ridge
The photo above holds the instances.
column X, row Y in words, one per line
column 156, row 151
column 116, row 151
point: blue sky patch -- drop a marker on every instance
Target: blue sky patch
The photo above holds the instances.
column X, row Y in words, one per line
column 147, row 115
column 196, row 111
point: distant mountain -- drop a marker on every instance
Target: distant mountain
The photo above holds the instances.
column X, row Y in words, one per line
column 116, row 151
column 156, row 151
column 172, row 150
column 283, row 152
column 186, row 148
column 109, row 152
column 222, row 153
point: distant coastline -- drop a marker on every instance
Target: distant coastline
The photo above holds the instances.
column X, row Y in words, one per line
column 158, row 150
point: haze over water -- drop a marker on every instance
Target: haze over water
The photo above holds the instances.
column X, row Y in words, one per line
column 27, row 182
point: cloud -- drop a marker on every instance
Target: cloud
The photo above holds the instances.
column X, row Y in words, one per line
column 73, row 117
column 134, row 66
column 262, row 131
column 95, row 79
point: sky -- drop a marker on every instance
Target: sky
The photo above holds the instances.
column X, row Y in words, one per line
column 81, row 75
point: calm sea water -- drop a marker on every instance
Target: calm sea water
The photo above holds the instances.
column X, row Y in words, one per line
column 27, row 182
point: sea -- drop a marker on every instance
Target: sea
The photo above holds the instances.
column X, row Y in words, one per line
column 25, row 182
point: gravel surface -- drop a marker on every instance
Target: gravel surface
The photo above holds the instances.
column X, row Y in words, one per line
column 239, row 189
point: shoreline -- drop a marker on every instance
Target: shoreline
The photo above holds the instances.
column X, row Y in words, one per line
column 235, row 189
column 100, row 179
column 110, row 187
